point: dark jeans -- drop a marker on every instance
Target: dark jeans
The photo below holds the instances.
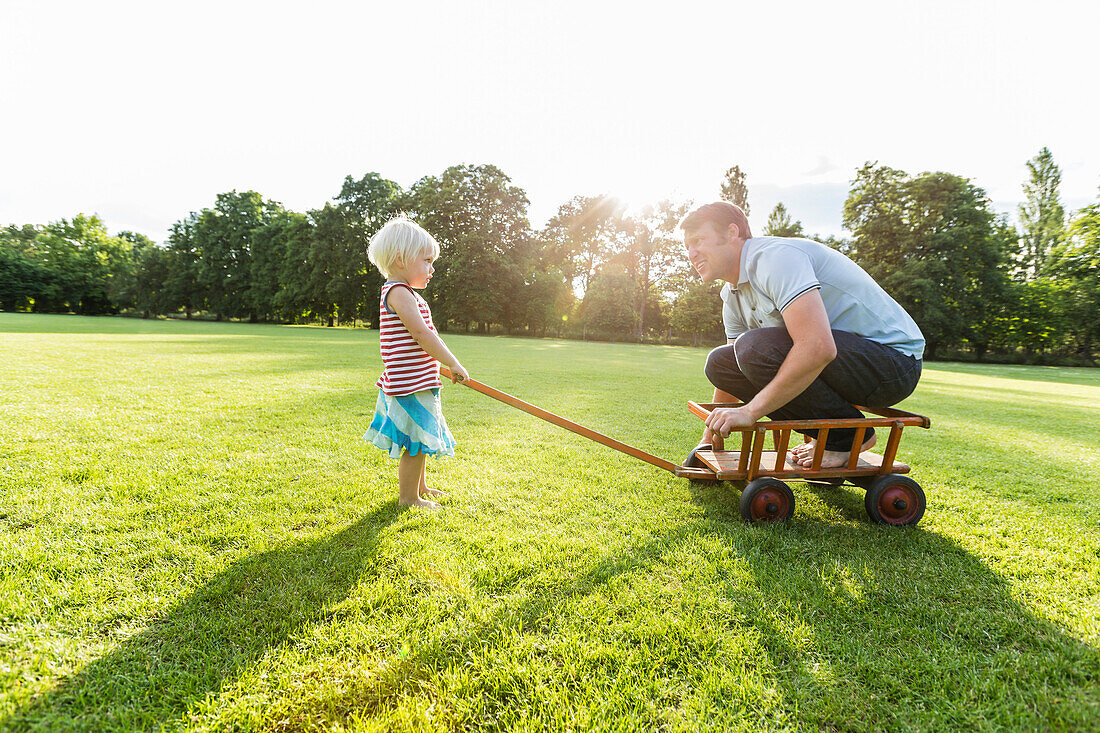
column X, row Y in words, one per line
column 863, row 373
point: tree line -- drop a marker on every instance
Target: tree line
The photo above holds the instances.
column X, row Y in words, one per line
column 978, row 286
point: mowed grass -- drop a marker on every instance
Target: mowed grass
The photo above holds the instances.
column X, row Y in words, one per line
column 193, row 537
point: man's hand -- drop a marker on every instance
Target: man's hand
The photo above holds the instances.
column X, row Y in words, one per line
column 724, row 420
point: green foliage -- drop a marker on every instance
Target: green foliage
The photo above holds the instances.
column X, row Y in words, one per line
column 654, row 252
column 586, row 233
column 152, row 270
column 222, row 239
column 66, row 266
column 930, row 240
column 1037, row 320
column 181, row 286
column 1075, row 263
column 697, row 312
column 734, row 188
column 340, row 275
column 546, row 303
column 22, row 276
column 280, row 286
column 480, row 221
column 780, row 224
column 124, row 288
column 607, row 311
column 933, row 244
column 1041, row 215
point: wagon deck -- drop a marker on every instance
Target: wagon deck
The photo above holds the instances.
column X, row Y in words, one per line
column 728, row 465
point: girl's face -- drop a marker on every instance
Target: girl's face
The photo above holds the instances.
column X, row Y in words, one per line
column 418, row 271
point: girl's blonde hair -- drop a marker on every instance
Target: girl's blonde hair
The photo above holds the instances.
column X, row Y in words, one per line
column 400, row 240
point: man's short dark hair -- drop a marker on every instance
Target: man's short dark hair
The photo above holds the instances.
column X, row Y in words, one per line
column 720, row 214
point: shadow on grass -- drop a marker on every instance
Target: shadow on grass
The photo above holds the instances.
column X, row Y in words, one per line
column 897, row 629
column 906, row 629
column 258, row 603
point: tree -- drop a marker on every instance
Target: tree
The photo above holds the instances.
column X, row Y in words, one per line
column 480, row 221
column 181, row 286
column 269, row 251
column 1075, row 263
column 930, row 241
column 222, row 238
column 654, row 252
column 1041, row 215
column 345, row 282
column 1035, row 319
column 81, row 258
column 987, row 316
column 22, row 277
column 280, row 280
column 586, row 233
column 697, row 312
column 544, row 302
column 780, row 225
column 327, row 242
column 607, row 310
column 152, row 272
column 734, row 189
column 122, row 288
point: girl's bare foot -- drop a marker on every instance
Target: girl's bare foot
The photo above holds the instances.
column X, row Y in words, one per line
column 432, row 492
column 803, row 455
column 422, row 503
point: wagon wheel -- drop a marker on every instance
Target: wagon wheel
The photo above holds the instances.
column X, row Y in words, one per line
column 767, row 500
column 895, row 500
column 692, row 461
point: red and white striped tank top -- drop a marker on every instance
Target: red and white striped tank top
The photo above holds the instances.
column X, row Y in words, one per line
column 407, row 367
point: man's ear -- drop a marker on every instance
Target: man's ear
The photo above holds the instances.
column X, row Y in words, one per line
column 733, row 231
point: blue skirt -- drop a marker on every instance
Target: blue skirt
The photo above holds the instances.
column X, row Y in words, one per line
column 410, row 424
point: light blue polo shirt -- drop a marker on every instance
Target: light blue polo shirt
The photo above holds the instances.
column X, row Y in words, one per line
column 776, row 270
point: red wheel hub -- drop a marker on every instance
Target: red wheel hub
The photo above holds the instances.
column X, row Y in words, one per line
column 897, row 504
column 769, row 505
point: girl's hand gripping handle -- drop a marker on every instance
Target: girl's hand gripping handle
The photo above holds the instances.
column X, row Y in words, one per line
column 456, row 375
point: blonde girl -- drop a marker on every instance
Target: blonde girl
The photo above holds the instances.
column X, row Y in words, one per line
column 408, row 417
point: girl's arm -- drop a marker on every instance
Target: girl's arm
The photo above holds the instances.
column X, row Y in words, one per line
column 402, row 302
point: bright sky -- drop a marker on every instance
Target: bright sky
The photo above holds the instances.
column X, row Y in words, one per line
column 144, row 111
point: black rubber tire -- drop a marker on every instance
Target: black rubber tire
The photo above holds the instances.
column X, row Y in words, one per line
column 895, row 500
column 692, row 461
column 767, row 500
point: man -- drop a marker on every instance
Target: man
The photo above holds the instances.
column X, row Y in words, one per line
column 809, row 333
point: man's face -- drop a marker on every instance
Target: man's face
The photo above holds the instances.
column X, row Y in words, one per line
column 711, row 252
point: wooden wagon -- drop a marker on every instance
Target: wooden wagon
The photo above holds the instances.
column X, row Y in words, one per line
column 892, row 498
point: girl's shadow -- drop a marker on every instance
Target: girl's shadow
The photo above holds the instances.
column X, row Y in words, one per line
column 252, row 606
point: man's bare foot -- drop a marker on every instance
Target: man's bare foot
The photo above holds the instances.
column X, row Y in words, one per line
column 432, row 492
column 422, row 503
column 803, row 455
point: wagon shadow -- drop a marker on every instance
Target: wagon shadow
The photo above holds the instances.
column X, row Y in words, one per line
column 251, row 607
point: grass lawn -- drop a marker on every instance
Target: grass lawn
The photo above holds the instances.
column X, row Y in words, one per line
column 193, row 537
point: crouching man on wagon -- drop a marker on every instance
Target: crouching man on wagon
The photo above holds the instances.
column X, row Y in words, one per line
column 809, row 333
